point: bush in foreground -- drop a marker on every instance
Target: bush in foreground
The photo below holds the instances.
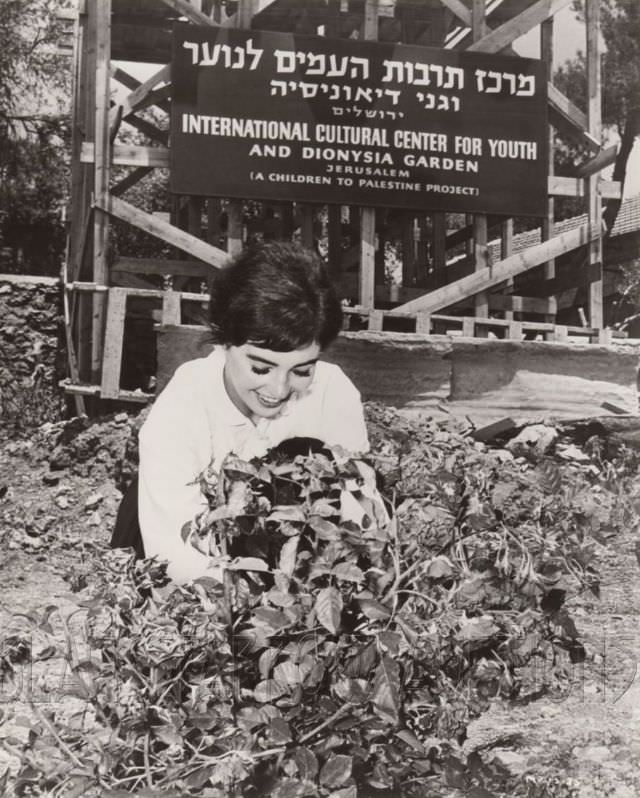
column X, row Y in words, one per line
column 342, row 654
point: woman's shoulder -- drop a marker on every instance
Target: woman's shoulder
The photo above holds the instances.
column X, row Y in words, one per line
column 200, row 368
column 330, row 378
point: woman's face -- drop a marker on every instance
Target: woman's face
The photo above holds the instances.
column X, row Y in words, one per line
column 260, row 381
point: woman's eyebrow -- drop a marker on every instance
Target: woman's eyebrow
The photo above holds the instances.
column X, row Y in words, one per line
column 271, row 363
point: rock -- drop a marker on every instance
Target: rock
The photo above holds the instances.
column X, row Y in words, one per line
column 50, row 479
column 62, row 502
column 533, row 442
column 95, row 519
column 93, row 501
column 594, row 753
column 512, row 761
column 121, row 418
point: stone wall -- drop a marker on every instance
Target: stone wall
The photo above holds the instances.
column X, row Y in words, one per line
column 32, row 355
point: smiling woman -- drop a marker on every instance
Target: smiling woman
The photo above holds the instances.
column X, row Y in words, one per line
column 271, row 313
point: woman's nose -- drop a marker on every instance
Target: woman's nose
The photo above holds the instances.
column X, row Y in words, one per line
column 279, row 385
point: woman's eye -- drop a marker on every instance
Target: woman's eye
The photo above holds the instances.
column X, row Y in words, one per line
column 305, row 373
column 262, row 370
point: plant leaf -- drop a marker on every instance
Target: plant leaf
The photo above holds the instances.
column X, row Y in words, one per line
column 248, row 564
column 386, row 690
column 336, row 770
column 374, row 610
column 267, row 691
column 288, row 555
column 328, row 609
column 307, row 763
column 348, row 571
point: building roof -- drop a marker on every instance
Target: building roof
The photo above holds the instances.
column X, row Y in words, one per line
column 627, row 221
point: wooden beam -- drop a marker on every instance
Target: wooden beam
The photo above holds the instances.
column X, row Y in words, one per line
column 164, row 231
column 130, row 180
column 504, row 35
column 114, row 338
column 188, row 268
column 498, row 272
column 547, row 226
column 458, row 8
column 141, row 95
column 367, row 287
column 129, row 155
column 570, row 114
column 522, row 304
column 234, row 21
column 574, row 187
column 193, row 14
column 600, row 161
column 594, row 113
column 101, row 170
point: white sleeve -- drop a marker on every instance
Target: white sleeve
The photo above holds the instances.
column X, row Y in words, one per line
column 343, row 421
column 170, row 446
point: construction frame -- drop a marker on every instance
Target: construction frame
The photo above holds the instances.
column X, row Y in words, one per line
column 479, row 295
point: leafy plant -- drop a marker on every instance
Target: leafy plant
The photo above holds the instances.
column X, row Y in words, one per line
column 334, row 651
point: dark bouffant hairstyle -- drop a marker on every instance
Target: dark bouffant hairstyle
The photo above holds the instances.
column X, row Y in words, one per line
column 276, row 295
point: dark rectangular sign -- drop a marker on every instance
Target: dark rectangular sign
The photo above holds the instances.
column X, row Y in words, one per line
column 277, row 116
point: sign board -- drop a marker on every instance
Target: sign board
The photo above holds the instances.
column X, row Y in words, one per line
column 277, row 116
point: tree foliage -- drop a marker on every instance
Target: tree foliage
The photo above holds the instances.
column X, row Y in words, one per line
column 34, row 100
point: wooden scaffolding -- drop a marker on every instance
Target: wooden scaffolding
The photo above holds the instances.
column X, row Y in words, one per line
column 512, row 294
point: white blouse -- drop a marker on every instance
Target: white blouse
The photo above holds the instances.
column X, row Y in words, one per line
column 194, row 422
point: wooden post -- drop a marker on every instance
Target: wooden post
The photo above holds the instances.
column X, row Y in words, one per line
column 594, row 115
column 367, row 286
column 102, row 12
column 546, row 50
column 506, row 249
column 306, row 225
column 480, row 250
column 438, row 243
column 235, row 231
column 335, row 239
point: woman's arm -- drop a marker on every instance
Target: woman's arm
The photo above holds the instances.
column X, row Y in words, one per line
column 173, row 444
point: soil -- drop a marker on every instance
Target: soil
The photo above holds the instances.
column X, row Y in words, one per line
column 59, row 494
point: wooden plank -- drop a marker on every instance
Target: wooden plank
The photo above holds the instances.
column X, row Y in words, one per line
column 562, row 107
column 87, row 389
column 423, row 322
column 458, row 8
column 235, row 226
column 480, row 228
column 235, row 20
column 171, row 308
column 164, row 231
column 193, row 14
column 600, row 161
column 594, row 113
column 101, row 179
column 114, row 337
column 506, row 34
column 187, row 268
column 129, row 155
column 506, row 249
column 367, row 288
column 335, row 240
column 547, row 226
column 574, row 187
column 130, row 180
column 522, row 304
column 140, row 95
column 307, row 237
column 374, row 322
column 498, row 272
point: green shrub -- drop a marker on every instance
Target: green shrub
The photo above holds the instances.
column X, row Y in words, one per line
column 335, row 657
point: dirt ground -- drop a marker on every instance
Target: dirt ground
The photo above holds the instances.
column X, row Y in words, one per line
column 57, row 502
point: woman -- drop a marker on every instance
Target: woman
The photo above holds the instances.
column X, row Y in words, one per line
column 272, row 312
